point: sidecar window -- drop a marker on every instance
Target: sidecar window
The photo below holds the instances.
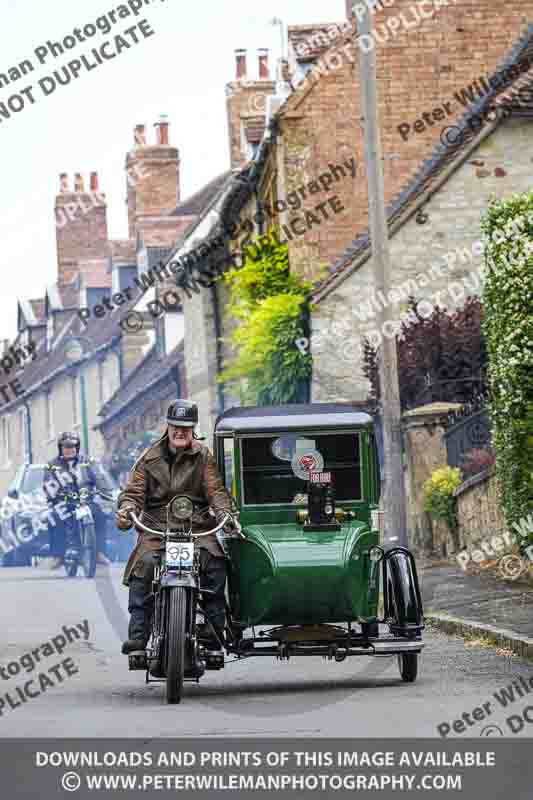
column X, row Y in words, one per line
column 269, row 479
column 229, row 466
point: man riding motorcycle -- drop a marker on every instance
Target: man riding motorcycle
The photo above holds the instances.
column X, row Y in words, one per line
column 68, row 473
column 176, row 464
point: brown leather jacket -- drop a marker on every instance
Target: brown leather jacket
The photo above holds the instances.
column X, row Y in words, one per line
column 156, row 478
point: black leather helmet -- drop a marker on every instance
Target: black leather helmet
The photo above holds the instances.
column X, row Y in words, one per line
column 183, row 413
column 68, row 439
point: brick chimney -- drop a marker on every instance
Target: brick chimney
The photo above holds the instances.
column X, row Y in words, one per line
column 246, row 99
column 240, row 64
column 162, row 130
column 152, row 174
column 81, row 225
column 264, row 73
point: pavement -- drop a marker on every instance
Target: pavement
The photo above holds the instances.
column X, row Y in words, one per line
column 479, row 604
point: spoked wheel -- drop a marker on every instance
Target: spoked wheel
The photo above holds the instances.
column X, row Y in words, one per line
column 408, row 664
column 175, row 638
column 88, row 551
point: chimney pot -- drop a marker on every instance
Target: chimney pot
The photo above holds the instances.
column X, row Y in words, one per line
column 63, row 182
column 94, row 181
column 140, row 135
column 264, row 73
column 78, row 182
column 240, row 57
column 162, row 129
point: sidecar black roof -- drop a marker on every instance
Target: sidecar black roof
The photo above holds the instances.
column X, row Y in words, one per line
column 292, row 417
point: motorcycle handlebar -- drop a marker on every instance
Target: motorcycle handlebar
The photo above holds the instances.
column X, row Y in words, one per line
column 162, row 534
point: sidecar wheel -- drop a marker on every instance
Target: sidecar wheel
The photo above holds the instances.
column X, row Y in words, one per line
column 408, row 664
column 88, row 551
column 175, row 649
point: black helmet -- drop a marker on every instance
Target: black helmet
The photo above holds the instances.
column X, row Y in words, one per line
column 68, row 439
column 183, row 413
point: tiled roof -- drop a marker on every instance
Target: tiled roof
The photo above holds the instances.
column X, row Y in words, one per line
column 143, row 379
column 445, row 155
column 196, row 203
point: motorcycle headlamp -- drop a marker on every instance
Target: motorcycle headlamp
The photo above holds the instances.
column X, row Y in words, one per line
column 181, row 508
column 375, row 554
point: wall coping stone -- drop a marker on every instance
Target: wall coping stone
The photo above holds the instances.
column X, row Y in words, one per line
column 433, row 413
column 481, row 477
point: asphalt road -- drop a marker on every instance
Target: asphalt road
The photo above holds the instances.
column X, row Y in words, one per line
column 362, row 697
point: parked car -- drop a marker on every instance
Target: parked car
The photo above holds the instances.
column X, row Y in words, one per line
column 20, row 544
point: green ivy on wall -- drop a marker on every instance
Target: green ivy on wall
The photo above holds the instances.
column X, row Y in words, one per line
column 508, row 298
column 269, row 305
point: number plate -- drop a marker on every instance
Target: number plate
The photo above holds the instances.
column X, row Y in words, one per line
column 82, row 513
column 179, row 554
column 320, row 477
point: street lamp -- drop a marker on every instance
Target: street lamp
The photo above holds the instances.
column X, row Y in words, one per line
column 74, row 350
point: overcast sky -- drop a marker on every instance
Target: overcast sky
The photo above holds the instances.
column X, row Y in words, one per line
column 88, row 125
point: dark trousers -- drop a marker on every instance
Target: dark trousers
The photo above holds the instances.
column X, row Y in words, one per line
column 141, row 601
column 58, row 533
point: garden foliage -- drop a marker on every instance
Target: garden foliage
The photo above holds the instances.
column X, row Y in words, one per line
column 269, row 304
column 508, row 299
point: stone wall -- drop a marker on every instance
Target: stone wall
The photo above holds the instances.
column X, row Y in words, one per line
column 425, row 452
column 479, row 509
column 439, row 261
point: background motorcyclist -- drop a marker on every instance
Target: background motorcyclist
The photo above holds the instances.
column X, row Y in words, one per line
column 67, row 474
column 176, row 464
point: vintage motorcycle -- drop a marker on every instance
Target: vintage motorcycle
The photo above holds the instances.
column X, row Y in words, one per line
column 308, row 573
column 81, row 533
column 176, row 651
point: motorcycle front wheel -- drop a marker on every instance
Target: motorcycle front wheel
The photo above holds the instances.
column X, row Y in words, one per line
column 175, row 639
column 88, row 550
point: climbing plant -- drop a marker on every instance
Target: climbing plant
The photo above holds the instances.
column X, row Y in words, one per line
column 269, row 305
column 508, row 299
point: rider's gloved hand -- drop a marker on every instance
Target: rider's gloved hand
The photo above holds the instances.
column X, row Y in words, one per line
column 232, row 527
column 123, row 518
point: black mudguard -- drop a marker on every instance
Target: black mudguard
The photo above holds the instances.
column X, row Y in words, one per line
column 402, row 600
column 170, row 580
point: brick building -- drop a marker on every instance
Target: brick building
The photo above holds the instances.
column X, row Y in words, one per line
column 120, row 382
column 312, row 129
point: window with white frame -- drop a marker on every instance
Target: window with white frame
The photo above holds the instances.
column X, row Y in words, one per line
column 5, row 440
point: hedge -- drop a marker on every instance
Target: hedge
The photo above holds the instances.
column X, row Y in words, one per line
column 508, row 326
